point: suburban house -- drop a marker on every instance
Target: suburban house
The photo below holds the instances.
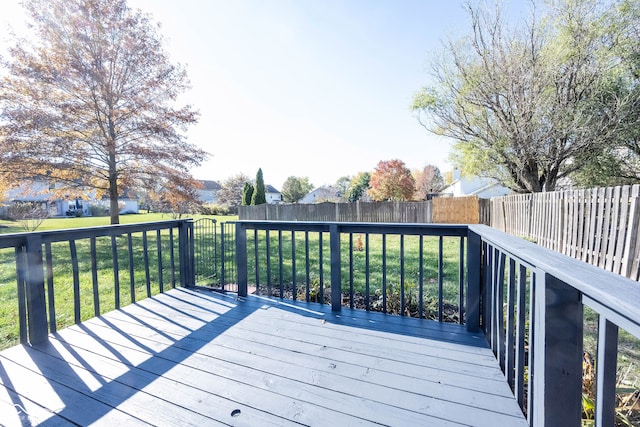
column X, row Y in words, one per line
column 41, row 191
column 272, row 195
column 322, row 194
column 209, row 193
column 128, row 202
column 484, row 188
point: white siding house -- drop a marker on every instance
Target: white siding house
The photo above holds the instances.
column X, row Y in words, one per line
column 484, row 188
column 322, row 194
column 39, row 190
column 272, row 195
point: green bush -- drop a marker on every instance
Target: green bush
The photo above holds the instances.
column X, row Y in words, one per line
column 215, row 210
column 98, row 210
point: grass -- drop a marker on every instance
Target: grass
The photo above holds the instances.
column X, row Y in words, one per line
column 281, row 267
column 73, row 222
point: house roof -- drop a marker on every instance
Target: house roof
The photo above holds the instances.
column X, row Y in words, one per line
column 210, row 185
column 270, row 189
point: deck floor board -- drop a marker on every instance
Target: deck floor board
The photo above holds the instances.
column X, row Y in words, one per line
column 194, row 357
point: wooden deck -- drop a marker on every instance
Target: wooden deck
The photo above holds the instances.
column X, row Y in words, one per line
column 194, row 357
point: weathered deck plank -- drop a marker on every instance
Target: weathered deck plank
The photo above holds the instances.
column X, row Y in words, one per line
column 191, row 357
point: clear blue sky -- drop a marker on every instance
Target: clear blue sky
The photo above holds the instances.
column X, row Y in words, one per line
column 315, row 88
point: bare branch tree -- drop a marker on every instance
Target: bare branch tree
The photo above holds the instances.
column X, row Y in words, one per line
column 523, row 105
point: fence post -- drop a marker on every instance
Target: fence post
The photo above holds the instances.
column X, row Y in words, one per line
column 474, row 272
column 241, row 259
column 557, row 353
column 336, row 279
column 35, row 296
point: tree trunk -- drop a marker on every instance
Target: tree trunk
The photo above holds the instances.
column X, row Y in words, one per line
column 114, row 210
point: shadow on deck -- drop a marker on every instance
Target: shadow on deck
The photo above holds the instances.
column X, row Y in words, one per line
column 194, row 357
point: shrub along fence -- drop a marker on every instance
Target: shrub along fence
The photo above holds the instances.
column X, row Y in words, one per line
column 598, row 226
column 449, row 210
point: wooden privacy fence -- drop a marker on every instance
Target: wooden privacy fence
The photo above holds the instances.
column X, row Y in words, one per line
column 418, row 212
column 456, row 210
column 450, row 210
column 598, row 226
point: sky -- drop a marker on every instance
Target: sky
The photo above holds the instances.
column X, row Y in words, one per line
column 306, row 88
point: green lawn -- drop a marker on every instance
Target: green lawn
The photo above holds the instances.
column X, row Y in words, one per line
column 72, row 222
column 394, row 280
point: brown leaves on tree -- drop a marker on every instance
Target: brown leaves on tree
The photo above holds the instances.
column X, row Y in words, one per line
column 89, row 101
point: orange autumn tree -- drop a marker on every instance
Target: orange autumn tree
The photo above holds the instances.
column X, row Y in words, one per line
column 391, row 180
column 88, row 102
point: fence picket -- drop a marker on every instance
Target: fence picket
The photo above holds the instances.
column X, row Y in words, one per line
column 598, row 231
column 624, row 207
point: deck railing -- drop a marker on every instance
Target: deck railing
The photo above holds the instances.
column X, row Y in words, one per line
column 48, row 267
column 305, row 259
column 528, row 301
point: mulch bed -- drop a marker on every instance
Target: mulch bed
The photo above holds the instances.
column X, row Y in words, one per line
column 450, row 312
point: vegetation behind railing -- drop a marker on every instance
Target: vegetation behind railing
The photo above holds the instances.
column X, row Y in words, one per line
column 407, row 269
column 67, row 276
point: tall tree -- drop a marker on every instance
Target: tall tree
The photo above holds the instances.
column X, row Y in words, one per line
column 358, row 186
column 525, row 106
column 619, row 163
column 247, row 193
column 428, row 180
column 342, row 184
column 295, row 188
column 88, row 101
column 231, row 192
column 259, row 196
column 391, row 180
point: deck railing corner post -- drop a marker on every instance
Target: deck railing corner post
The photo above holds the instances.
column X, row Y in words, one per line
column 241, row 259
column 35, row 292
column 557, row 353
